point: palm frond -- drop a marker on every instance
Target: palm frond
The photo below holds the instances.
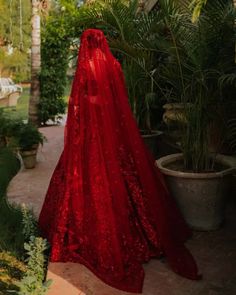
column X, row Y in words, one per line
column 197, row 6
column 227, row 79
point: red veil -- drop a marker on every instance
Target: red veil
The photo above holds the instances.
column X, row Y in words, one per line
column 107, row 206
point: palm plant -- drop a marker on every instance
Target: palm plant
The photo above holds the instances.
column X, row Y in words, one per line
column 39, row 7
column 133, row 37
column 199, row 56
column 164, row 52
column 197, row 6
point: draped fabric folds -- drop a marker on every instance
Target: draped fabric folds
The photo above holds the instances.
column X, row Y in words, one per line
column 107, row 205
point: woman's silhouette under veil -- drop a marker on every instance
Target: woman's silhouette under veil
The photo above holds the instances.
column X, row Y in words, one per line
column 107, row 205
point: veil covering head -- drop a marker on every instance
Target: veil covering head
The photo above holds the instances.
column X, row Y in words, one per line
column 107, row 205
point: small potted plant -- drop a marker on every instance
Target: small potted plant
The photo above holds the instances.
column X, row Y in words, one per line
column 28, row 139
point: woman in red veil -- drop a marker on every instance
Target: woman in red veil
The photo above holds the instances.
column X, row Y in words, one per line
column 107, row 205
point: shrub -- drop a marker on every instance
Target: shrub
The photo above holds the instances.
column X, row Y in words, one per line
column 54, row 52
column 33, row 280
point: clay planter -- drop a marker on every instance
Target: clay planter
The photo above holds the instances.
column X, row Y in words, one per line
column 151, row 140
column 201, row 197
column 29, row 157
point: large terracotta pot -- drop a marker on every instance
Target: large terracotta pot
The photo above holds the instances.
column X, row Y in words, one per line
column 201, row 197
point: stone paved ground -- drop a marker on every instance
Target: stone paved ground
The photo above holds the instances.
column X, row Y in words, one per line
column 215, row 251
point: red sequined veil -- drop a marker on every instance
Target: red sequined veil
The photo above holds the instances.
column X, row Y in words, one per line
column 107, row 206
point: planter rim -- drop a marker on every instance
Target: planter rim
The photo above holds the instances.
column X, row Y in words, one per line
column 153, row 134
column 174, row 157
column 28, row 152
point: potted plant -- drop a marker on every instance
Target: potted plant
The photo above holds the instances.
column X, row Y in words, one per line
column 200, row 60
column 28, row 140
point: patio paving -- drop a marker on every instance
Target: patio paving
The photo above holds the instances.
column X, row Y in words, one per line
column 215, row 251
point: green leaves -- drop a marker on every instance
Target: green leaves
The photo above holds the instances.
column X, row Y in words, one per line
column 28, row 136
column 9, row 166
column 33, row 280
column 55, row 47
column 198, row 62
column 196, row 6
column 10, row 22
column 29, row 223
column 10, row 221
column 15, row 39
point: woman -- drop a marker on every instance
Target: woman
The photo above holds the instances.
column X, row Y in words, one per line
column 107, row 206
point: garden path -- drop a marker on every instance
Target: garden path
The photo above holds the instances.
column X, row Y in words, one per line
column 214, row 251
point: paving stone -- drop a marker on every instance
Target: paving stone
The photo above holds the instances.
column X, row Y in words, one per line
column 215, row 251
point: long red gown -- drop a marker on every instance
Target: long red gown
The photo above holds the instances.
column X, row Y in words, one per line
column 107, row 205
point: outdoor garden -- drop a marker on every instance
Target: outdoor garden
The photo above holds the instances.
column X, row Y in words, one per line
column 179, row 62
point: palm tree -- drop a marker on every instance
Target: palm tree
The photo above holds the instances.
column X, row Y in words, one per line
column 37, row 7
column 35, row 63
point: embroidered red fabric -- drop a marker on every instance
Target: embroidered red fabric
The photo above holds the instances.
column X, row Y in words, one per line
column 107, row 205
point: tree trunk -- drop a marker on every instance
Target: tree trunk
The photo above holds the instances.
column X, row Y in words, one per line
column 148, row 5
column 35, row 64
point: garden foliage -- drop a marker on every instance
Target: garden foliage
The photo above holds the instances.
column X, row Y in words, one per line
column 54, row 51
column 19, row 236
